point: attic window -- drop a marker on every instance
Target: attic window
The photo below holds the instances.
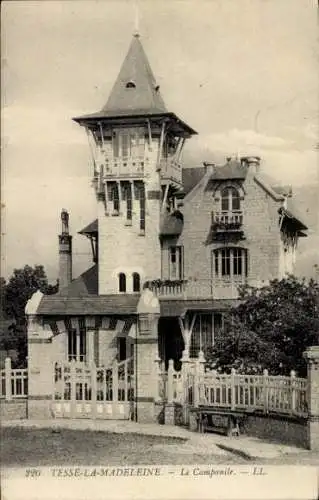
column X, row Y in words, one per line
column 130, row 85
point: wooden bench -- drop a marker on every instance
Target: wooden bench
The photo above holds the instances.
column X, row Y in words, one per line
column 219, row 420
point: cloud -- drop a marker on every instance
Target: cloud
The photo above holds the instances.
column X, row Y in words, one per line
column 281, row 158
column 33, row 126
column 243, row 142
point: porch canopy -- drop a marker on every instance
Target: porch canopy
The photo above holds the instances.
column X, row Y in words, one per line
column 179, row 308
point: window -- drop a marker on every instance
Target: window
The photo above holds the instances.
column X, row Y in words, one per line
column 230, row 199
column 122, row 282
column 130, row 85
column 142, row 208
column 136, row 282
column 176, row 264
column 121, row 348
column 129, row 143
column 230, row 262
column 206, row 328
column 77, row 345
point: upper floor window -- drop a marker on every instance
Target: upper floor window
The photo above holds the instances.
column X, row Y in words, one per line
column 136, row 282
column 77, row 345
column 230, row 199
column 129, row 143
column 122, row 282
column 176, row 263
column 142, row 208
column 230, row 262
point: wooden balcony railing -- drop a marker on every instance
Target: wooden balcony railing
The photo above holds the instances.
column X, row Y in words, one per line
column 123, row 167
column 171, row 169
column 167, row 288
column 225, row 220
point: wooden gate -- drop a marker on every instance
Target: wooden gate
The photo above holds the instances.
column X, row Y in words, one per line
column 82, row 391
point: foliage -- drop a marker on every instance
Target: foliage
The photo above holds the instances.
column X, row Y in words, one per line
column 158, row 283
column 270, row 328
column 14, row 296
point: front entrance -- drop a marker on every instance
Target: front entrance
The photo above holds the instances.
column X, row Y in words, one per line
column 83, row 391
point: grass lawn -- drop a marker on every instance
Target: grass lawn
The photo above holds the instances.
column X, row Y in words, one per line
column 43, row 447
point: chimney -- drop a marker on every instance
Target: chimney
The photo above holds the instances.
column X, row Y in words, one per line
column 252, row 162
column 65, row 252
column 209, row 167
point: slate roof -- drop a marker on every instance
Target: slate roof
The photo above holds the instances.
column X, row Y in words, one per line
column 91, row 228
column 170, row 308
column 58, row 305
column 232, row 169
column 85, row 284
column 143, row 97
column 191, row 177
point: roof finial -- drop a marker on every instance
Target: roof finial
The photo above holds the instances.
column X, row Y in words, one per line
column 136, row 30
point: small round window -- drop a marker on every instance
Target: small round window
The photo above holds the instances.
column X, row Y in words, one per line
column 130, row 85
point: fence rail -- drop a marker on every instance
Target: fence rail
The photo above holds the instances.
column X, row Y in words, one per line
column 265, row 393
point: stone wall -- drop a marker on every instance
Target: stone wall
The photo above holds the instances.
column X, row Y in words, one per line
column 122, row 246
column 14, row 410
column 285, row 430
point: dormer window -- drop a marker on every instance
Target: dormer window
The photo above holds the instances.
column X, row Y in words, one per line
column 130, row 85
column 230, row 199
column 229, row 217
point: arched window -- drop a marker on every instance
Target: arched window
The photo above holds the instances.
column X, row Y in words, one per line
column 230, row 199
column 122, row 282
column 136, row 282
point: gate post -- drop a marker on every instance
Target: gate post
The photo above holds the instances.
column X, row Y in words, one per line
column 312, row 357
column 93, row 391
column 8, row 373
column 146, row 353
column 40, row 362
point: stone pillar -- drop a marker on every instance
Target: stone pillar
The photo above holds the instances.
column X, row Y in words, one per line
column 146, row 353
column 40, row 362
column 170, row 405
column 312, row 357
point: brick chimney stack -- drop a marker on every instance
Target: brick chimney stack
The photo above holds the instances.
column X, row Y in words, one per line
column 65, row 252
column 253, row 162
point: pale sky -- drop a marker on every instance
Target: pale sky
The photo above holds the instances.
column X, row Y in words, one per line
column 243, row 73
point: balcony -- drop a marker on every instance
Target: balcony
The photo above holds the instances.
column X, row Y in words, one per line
column 195, row 289
column 171, row 169
column 227, row 221
column 167, row 288
column 125, row 168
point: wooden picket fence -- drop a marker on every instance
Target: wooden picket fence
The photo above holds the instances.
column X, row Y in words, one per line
column 82, row 391
column 13, row 382
column 196, row 387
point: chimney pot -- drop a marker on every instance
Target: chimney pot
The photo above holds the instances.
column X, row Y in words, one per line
column 209, row 167
column 251, row 161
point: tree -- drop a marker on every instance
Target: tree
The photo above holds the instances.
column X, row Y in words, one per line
column 270, row 328
column 14, row 296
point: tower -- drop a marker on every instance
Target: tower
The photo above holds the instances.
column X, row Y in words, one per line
column 136, row 146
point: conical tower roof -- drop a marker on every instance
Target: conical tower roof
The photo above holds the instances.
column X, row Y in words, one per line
column 135, row 90
column 135, row 95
